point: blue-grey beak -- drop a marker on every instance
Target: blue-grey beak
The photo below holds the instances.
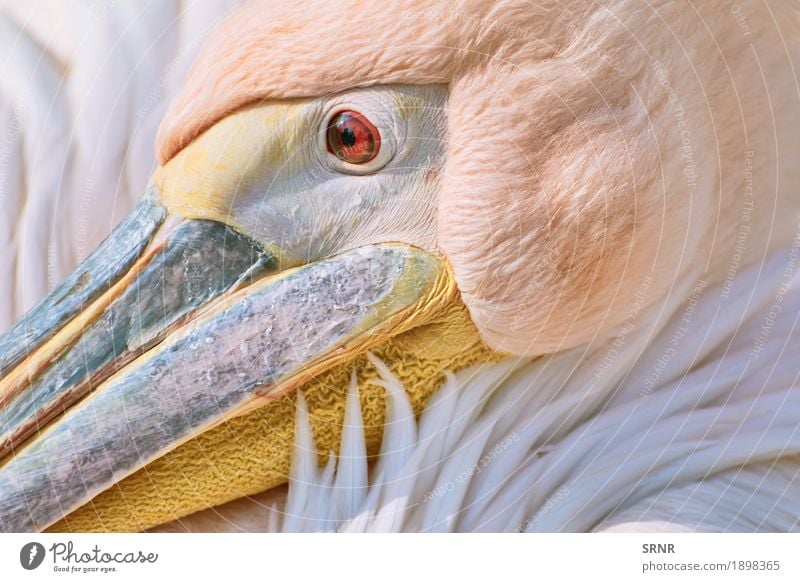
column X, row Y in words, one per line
column 171, row 326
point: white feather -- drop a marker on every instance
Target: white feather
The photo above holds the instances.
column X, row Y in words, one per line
column 351, row 475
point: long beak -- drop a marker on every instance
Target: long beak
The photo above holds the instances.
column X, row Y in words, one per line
column 170, row 327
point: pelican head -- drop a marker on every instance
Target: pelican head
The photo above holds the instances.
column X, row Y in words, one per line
column 330, row 179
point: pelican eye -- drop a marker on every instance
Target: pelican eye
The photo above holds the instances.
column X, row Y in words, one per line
column 352, row 138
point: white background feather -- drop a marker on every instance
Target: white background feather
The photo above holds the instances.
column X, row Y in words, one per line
column 83, row 86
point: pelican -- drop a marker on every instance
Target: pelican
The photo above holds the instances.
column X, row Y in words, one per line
column 437, row 266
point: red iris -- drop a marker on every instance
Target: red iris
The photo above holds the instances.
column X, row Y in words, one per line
column 352, row 138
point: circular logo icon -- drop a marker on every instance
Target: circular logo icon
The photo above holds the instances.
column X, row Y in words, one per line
column 31, row 555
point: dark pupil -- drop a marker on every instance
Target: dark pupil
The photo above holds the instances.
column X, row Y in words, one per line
column 348, row 137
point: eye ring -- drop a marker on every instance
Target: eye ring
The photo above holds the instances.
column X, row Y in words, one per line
column 352, row 138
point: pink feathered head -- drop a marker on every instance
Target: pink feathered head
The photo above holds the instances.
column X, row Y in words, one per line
column 572, row 194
